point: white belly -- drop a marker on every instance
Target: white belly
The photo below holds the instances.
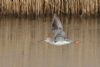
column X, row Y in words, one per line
column 58, row 43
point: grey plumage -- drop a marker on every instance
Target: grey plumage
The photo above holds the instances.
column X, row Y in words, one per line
column 57, row 28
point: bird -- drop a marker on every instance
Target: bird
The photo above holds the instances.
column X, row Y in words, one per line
column 59, row 37
column 57, row 29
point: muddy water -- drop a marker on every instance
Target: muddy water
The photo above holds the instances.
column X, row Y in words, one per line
column 22, row 45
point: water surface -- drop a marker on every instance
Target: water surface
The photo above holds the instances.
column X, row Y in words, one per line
column 22, row 45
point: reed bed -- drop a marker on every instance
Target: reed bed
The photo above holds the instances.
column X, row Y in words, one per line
column 46, row 7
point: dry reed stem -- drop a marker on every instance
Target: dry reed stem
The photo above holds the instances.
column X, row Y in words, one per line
column 41, row 7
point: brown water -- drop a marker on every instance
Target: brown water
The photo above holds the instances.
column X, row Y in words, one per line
column 22, row 45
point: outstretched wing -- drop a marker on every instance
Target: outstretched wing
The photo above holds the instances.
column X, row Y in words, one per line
column 56, row 23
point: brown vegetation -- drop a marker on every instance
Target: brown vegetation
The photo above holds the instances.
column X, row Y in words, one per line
column 42, row 7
